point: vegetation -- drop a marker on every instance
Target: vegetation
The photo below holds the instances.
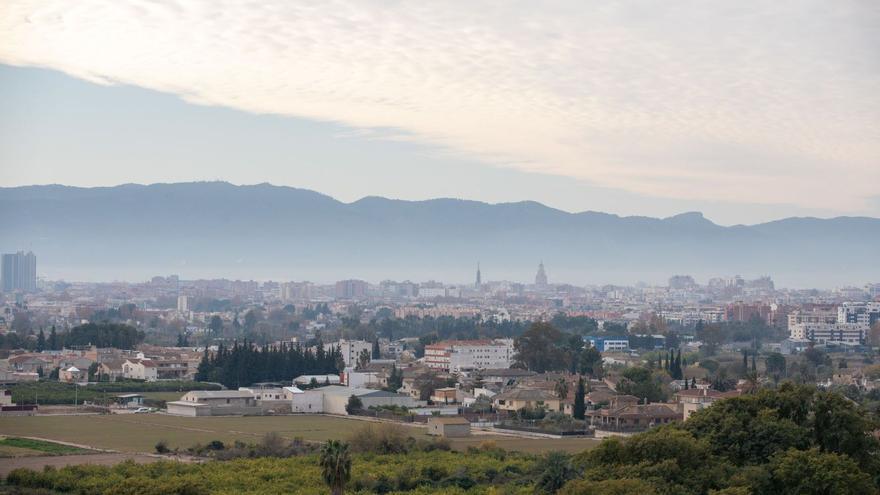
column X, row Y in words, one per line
column 64, row 393
column 794, row 440
column 335, row 464
column 104, row 334
column 244, row 363
column 42, row 446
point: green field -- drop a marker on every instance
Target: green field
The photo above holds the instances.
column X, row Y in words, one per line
column 140, row 432
column 24, row 447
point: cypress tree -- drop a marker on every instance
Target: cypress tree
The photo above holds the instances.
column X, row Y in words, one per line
column 579, row 408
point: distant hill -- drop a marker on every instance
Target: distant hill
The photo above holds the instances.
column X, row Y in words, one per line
column 215, row 229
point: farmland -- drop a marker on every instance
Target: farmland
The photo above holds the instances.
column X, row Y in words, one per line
column 141, row 432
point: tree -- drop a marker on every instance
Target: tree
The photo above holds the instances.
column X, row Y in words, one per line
column 41, row 341
column 250, row 320
column 561, row 388
column 811, row 472
column 335, row 462
column 377, row 354
column 93, row 370
column 816, row 356
column 363, row 359
column 591, row 363
column 538, row 349
column 53, row 339
column 842, row 427
column 579, row 409
column 641, row 383
column 354, row 405
column 395, row 379
column 712, row 336
column 216, row 324
column 556, row 471
column 775, row 363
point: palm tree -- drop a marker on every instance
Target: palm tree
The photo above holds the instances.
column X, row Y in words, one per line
column 335, row 465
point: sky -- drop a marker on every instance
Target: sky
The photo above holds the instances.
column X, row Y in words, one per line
column 747, row 111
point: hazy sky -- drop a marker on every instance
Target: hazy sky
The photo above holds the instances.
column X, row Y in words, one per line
column 747, row 111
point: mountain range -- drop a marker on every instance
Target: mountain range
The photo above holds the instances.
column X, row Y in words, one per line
column 216, row 229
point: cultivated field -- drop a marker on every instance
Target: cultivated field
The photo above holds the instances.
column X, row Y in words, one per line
column 141, row 432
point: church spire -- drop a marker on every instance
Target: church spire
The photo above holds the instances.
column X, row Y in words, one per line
column 479, row 281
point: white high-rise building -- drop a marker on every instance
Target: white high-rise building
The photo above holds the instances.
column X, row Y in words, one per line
column 182, row 304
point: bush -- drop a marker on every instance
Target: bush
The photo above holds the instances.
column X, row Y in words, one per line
column 381, row 438
column 162, row 447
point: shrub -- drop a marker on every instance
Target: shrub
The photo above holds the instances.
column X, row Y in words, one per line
column 381, row 438
column 162, row 447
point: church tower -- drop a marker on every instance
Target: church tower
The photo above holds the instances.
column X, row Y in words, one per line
column 541, row 276
column 479, row 281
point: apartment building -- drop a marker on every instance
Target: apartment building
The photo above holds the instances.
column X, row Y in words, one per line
column 830, row 333
column 464, row 355
column 350, row 349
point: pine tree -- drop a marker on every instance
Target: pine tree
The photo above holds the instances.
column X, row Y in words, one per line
column 41, row 341
column 53, row 339
column 754, row 364
column 376, row 352
column 579, row 409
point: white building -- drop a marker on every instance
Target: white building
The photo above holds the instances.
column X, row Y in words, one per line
column 830, row 333
column 140, row 369
column 814, row 316
column 182, row 304
column 463, row 355
column 333, row 399
column 865, row 313
column 350, row 349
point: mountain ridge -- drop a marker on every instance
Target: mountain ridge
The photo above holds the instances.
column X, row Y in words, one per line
column 217, row 229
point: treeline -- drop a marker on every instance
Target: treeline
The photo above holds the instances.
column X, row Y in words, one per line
column 104, row 334
column 49, row 392
column 440, row 328
column 244, row 363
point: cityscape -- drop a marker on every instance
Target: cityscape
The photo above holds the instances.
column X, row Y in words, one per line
column 457, row 248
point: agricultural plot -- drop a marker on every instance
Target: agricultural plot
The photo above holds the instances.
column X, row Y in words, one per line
column 141, row 432
column 26, row 447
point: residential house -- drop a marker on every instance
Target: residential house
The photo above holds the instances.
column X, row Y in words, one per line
column 140, row 369
column 625, row 414
column 695, row 399
column 72, row 374
column 530, row 398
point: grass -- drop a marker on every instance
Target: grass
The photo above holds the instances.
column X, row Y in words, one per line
column 19, row 447
column 141, row 432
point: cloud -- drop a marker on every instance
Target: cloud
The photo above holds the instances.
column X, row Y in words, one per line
column 749, row 101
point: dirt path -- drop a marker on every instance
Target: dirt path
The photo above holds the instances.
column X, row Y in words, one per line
column 37, row 463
